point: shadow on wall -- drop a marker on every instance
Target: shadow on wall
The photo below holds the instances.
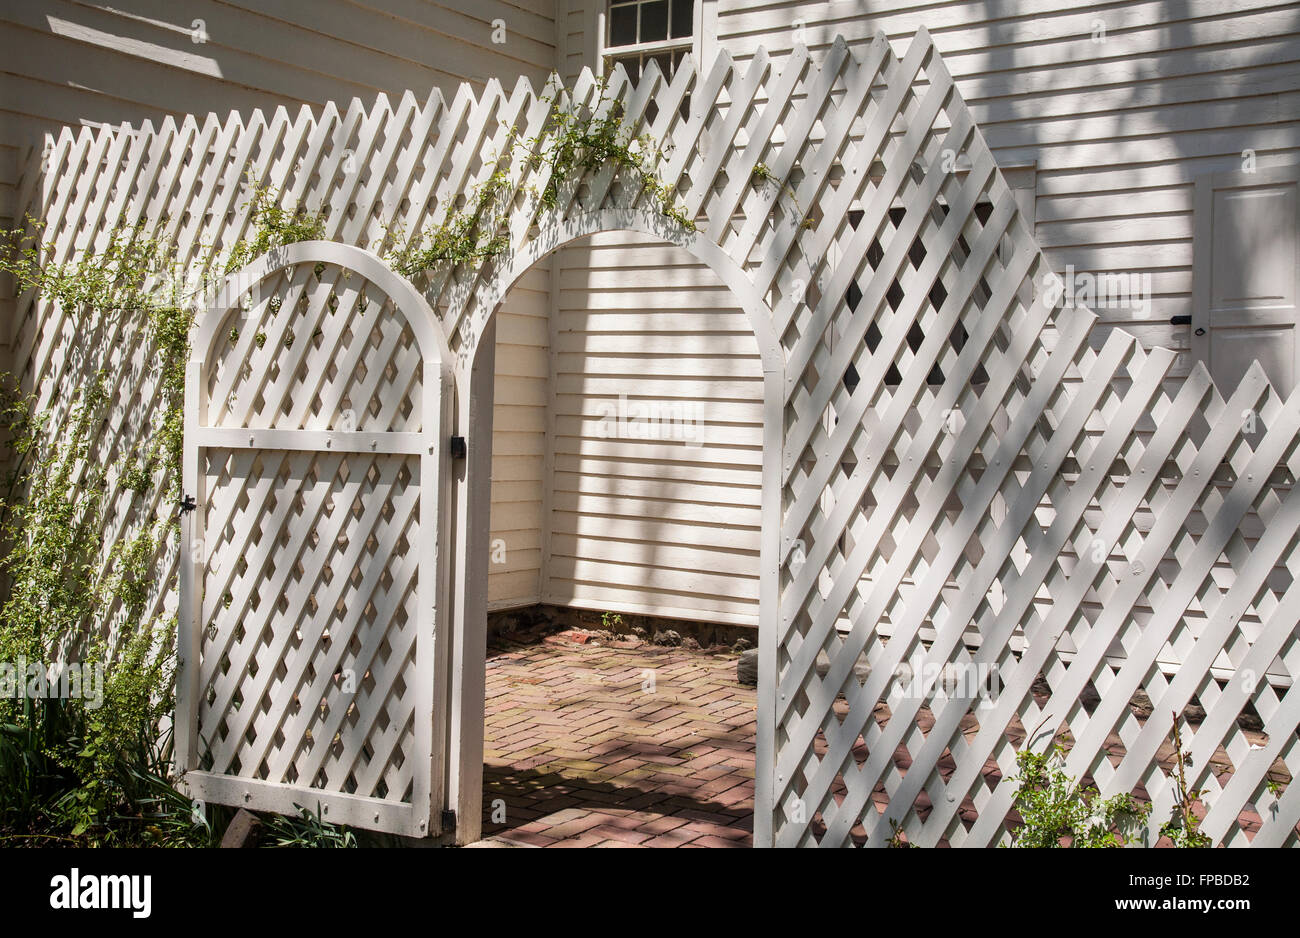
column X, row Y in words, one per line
column 1118, row 108
column 652, row 380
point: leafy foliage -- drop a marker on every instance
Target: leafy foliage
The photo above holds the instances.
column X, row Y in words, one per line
column 1054, row 807
column 98, row 774
column 573, row 143
column 47, row 797
column 274, row 226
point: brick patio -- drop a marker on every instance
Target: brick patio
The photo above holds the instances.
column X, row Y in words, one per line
column 585, row 751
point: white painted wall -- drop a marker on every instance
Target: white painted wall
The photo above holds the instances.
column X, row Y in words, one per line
column 656, row 513
column 522, row 395
column 89, row 62
column 1120, row 107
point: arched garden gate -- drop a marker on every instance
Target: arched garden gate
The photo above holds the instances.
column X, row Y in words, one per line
column 939, row 435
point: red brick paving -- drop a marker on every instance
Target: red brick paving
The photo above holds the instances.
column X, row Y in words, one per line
column 583, row 756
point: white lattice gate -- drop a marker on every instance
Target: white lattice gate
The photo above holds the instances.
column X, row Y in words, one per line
column 311, row 651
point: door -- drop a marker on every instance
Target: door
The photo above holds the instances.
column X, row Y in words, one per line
column 1247, row 263
column 311, row 649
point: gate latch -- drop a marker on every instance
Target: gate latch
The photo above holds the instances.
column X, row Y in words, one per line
column 187, row 504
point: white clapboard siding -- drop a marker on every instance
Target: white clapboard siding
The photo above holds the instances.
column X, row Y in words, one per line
column 64, row 62
column 639, row 525
column 519, row 443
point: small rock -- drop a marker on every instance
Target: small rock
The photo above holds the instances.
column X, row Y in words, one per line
column 742, row 644
column 667, row 637
column 690, row 644
column 747, row 668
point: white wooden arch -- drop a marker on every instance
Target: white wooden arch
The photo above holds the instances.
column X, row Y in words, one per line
column 969, row 474
column 475, row 395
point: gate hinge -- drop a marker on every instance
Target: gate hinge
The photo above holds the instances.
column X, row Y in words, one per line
column 458, row 448
column 449, row 822
column 187, row 504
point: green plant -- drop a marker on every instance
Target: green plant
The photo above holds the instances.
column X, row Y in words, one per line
column 1053, row 807
column 274, row 226
column 1184, row 828
column 309, row 830
column 611, row 621
column 44, row 793
column 71, row 771
column 761, row 175
column 573, row 143
column 897, row 839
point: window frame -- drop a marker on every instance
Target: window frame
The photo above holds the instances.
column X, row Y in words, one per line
column 607, row 54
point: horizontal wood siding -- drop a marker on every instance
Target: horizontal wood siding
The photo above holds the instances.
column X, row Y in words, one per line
column 658, row 525
column 519, row 442
column 71, row 62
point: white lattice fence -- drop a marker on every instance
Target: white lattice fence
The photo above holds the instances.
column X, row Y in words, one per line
column 958, row 471
column 971, row 482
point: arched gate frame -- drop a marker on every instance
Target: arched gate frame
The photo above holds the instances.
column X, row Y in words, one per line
column 318, row 400
column 956, row 473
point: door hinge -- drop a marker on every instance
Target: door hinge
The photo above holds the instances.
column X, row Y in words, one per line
column 449, row 822
column 458, row 447
column 187, row 504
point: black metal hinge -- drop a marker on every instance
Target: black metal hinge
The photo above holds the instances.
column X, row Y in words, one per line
column 449, row 822
column 187, row 504
column 458, row 447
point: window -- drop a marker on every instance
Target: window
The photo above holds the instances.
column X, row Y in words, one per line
column 638, row 31
column 1245, row 293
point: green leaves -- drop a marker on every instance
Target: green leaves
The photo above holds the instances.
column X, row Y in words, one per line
column 1054, row 807
column 572, row 145
column 274, row 226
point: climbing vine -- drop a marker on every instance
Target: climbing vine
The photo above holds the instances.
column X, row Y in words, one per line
column 761, row 176
column 573, row 143
column 72, row 595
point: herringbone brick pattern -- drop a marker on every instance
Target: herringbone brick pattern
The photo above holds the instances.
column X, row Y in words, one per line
column 598, row 746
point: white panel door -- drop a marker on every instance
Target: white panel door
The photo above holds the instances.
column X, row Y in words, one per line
column 1246, row 261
